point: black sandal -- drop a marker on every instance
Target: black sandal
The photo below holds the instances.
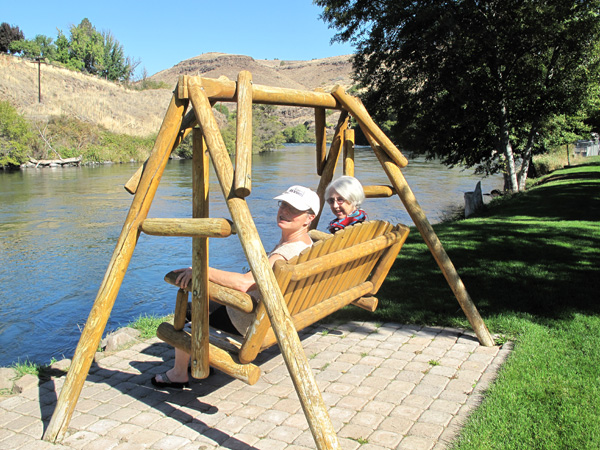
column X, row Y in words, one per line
column 167, row 383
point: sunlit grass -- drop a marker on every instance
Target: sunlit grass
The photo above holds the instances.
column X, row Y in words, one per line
column 147, row 324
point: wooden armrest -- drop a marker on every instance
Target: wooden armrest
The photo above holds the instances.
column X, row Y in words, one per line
column 317, row 235
column 221, row 294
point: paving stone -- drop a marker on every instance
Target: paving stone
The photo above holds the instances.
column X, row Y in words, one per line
column 170, row 443
column 435, row 417
column 145, row 437
column 366, row 418
column 20, row 423
column 399, row 425
column 354, row 431
column 385, row 439
column 270, row 444
column 284, row 433
column 103, row 426
column 259, row 428
column 124, row 430
column 415, row 443
column 427, row 430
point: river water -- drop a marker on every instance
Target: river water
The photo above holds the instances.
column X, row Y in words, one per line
column 59, row 227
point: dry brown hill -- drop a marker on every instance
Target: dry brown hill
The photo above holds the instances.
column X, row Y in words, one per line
column 141, row 112
column 317, row 73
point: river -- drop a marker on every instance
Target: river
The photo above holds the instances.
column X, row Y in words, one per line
column 59, row 227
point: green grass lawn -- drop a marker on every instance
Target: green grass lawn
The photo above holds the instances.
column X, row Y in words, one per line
column 531, row 263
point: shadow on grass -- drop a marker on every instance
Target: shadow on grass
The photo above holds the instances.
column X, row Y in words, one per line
column 533, row 254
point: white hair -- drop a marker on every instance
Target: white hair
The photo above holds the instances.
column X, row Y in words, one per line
column 349, row 188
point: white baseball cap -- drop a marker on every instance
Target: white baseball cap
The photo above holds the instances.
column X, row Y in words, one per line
column 301, row 198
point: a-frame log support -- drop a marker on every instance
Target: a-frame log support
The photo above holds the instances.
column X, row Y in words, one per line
column 107, row 293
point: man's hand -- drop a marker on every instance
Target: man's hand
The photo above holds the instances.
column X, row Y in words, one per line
column 184, row 277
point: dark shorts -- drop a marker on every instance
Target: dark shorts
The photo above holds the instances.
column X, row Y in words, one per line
column 218, row 319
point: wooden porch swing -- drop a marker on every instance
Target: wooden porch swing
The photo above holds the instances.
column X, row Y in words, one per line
column 346, row 268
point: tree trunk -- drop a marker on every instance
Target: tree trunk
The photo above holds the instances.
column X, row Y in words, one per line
column 526, row 161
column 510, row 176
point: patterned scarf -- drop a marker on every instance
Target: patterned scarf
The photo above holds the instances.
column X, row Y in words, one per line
column 356, row 217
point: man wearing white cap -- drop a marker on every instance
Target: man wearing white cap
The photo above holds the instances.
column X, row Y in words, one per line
column 298, row 206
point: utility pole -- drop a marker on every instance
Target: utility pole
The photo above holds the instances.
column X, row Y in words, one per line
column 39, row 61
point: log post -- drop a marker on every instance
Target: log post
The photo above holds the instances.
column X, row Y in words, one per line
column 181, row 304
column 287, row 337
column 435, row 246
column 200, row 330
column 321, row 137
column 243, row 141
column 348, row 154
column 107, row 293
column 359, row 112
column 331, row 163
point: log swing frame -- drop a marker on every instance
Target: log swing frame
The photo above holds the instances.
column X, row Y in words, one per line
column 236, row 185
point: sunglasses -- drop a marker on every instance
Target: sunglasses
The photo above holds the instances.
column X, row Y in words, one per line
column 289, row 207
column 338, row 200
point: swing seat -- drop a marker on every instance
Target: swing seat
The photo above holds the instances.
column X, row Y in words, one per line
column 346, row 268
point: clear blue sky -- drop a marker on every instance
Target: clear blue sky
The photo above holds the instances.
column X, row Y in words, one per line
column 160, row 34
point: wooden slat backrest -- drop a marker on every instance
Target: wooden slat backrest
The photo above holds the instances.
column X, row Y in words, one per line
column 337, row 279
column 335, row 268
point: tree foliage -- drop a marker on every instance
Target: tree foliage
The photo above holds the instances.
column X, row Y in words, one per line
column 9, row 34
column 298, row 134
column 15, row 136
column 39, row 47
column 86, row 50
column 473, row 82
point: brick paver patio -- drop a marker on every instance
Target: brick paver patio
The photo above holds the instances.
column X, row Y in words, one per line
column 386, row 386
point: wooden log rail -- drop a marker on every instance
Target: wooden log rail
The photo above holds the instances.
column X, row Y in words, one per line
column 419, row 218
column 221, row 294
column 201, row 227
column 378, row 191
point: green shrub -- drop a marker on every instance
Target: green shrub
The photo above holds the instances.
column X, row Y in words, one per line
column 222, row 109
column 298, row 134
column 16, row 137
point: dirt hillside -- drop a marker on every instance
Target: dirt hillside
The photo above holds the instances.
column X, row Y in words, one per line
column 141, row 112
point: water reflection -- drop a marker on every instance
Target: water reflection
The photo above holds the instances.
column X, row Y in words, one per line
column 59, row 227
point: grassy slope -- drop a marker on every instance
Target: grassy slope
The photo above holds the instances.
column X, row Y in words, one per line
column 531, row 264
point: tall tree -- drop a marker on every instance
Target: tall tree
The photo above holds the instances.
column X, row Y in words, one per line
column 87, row 47
column 117, row 67
column 474, row 82
column 9, row 34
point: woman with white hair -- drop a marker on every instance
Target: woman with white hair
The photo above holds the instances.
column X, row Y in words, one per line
column 344, row 196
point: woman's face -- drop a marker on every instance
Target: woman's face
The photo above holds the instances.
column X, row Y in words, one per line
column 290, row 218
column 340, row 207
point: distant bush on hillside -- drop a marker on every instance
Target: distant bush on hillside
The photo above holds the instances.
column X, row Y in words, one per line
column 86, row 50
column 16, row 137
